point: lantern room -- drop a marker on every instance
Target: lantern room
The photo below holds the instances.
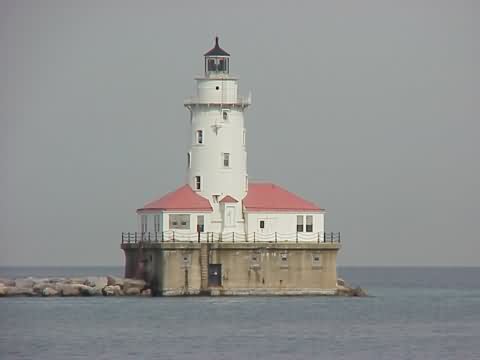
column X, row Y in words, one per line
column 217, row 61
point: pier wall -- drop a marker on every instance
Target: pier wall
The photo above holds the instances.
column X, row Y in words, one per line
column 191, row 268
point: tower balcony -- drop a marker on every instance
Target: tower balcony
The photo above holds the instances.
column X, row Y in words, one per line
column 241, row 101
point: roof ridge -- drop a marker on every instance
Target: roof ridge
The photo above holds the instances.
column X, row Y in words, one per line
column 183, row 198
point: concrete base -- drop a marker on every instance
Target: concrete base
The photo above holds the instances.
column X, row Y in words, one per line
column 235, row 269
column 249, row 292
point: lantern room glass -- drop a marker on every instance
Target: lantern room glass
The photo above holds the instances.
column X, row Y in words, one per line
column 215, row 65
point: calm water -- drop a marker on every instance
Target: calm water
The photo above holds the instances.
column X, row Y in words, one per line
column 415, row 313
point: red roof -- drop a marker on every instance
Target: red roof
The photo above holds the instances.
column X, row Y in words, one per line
column 271, row 197
column 182, row 199
column 229, row 199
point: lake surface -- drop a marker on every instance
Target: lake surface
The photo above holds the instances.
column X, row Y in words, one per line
column 413, row 313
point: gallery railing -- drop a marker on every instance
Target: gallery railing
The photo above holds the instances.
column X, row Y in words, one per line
column 239, row 100
column 232, row 237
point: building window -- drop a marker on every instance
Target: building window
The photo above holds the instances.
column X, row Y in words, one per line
column 226, row 159
column 299, row 223
column 217, row 87
column 225, row 115
column 309, row 223
column 199, row 136
column 189, row 160
column 144, row 223
column 262, row 224
column 156, row 221
column 200, row 223
column 198, row 183
column 179, row 221
column 215, row 198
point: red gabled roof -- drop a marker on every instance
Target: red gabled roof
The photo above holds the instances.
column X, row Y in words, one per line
column 271, row 197
column 182, row 199
column 229, row 199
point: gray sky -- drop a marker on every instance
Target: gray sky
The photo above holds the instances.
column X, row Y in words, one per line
column 369, row 108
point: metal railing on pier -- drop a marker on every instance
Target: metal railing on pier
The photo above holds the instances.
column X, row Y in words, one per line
column 231, row 237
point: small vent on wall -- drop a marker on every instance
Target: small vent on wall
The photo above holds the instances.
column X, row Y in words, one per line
column 316, row 261
column 284, row 261
column 186, row 261
column 255, row 259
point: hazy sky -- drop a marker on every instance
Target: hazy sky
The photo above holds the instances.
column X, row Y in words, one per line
column 369, row 108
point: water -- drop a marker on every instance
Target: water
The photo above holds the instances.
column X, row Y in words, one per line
column 415, row 313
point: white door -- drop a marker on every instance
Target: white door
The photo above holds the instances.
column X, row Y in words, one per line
column 230, row 216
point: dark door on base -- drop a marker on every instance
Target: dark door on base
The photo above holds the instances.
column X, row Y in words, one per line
column 214, row 274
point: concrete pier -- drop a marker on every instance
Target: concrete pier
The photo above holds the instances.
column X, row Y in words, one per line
column 240, row 268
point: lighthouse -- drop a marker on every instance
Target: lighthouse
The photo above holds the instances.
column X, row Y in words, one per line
column 217, row 157
column 217, row 199
column 220, row 233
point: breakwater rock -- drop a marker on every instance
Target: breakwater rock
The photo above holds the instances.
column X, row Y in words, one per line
column 343, row 289
column 86, row 286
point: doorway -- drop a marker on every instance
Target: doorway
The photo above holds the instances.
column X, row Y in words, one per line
column 214, row 274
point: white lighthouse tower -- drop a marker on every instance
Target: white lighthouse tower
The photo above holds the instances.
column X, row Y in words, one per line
column 217, row 158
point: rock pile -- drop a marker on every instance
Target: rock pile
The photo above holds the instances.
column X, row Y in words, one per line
column 343, row 289
column 87, row 286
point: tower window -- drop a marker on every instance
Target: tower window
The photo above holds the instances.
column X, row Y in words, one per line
column 198, row 183
column 211, row 65
column 189, row 160
column 299, row 223
column 226, row 159
column 199, row 136
column 217, row 87
column 225, row 115
column 262, row 224
column 221, row 65
column 309, row 223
